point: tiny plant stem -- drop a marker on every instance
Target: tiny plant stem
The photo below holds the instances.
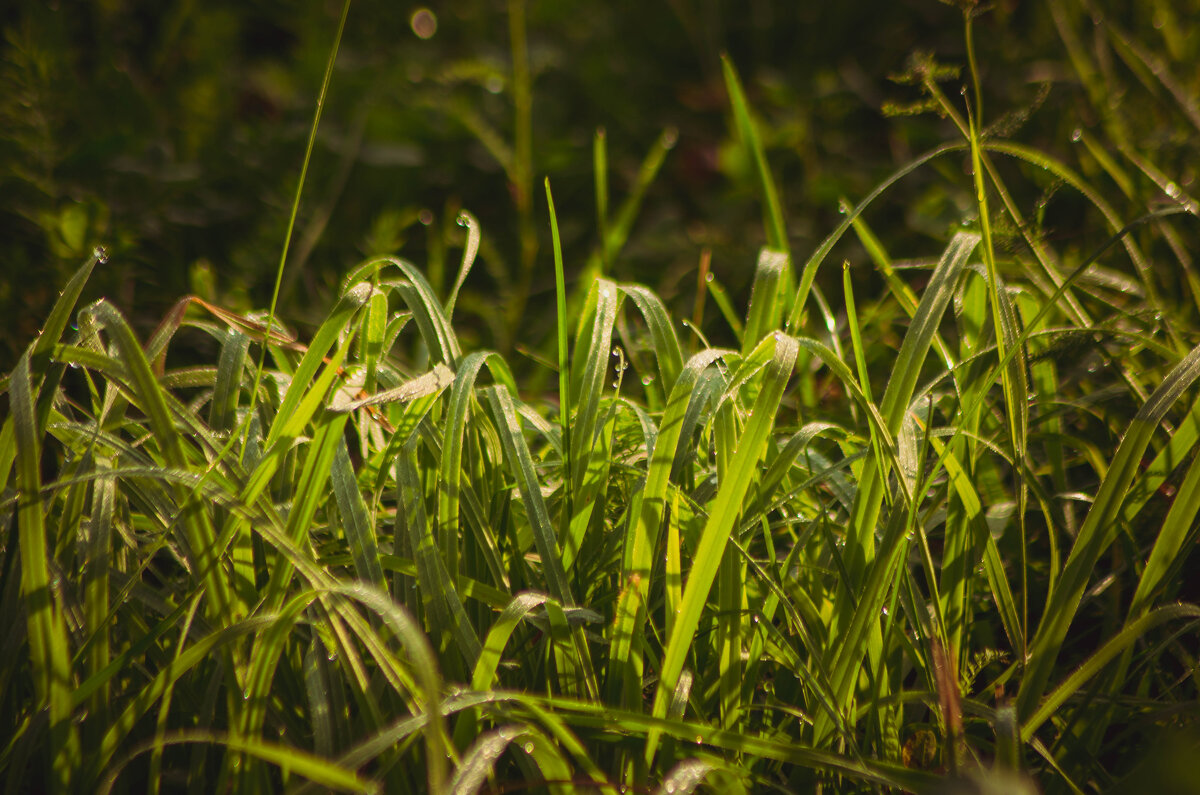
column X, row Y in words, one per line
column 701, row 287
column 989, row 255
column 287, row 239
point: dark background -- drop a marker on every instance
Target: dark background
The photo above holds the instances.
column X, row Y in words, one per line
column 172, row 134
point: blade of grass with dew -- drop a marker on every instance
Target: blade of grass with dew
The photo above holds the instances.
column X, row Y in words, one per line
column 645, row 516
column 470, row 250
column 668, row 355
column 427, row 682
column 310, row 492
column 306, row 393
column 766, row 308
column 589, row 370
column 416, row 292
column 222, row 413
column 723, row 515
column 97, row 572
column 1098, row 531
column 371, row 336
column 721, row 298
column 49, row 645
column 897, row 395
column 1008, row 349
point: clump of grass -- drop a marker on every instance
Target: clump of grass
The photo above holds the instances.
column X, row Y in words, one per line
column 370, row 561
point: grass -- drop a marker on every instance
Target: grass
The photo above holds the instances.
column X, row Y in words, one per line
column 930, row 539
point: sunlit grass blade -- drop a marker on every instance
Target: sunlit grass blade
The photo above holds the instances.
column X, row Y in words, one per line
column 766, row 308
column 722, row 516
column 49, row 645
column 668, row 355
column 856, row 617
column 641, row 541
column 589, row 370
column 470, row 250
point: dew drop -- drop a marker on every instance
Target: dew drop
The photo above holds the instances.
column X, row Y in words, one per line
column 1172, row 190
column 647, row 380
column 246, row 694
column 529, row 748
column 494, row 84
column 1077, row 135
column 699, row 739
column 425, row 217
column 708, row 277
column 101, row 254
column 883, row 610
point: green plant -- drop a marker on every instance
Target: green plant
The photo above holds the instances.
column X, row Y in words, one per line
column 858, row 551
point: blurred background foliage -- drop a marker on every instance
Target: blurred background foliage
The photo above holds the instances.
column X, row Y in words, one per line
column 172, row 133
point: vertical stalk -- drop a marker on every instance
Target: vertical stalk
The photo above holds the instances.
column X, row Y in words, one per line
column 522, row 173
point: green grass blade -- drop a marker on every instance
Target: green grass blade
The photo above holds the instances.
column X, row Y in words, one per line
column 1131, row 634
column 470, row 250
column 197, row 523
column 748, row 133
column 445, row 612
column 359, row 529
column 723, row 515
column 600, row 176
column 590, row 368
column 565, row 387
column 646, row 512
column 1177, row 529
column 1098, row 531
column 668, row 355
column 49, row 646
column 516, row 452
column 766, row 308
